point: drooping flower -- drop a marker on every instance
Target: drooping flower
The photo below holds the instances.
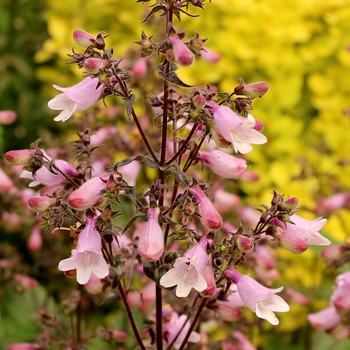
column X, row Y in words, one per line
column 261, row 300
column 235, row 129
column 188, row 271
column 341, row 295
column 88, row 194
column 87, row 258
column 224, row 164
column 305, row 230
column 76, row 98
column 174, row 326
column 209, row 215
column 151, row 243
column 182, row 54
column 325, row 319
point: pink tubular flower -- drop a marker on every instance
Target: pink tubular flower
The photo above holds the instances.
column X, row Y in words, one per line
column 325, row 320
column 209, row 215
column 210, row 55
column 306, row 230
column 76, row 98
column 19, row 157
column 235, row 129
column 182, row 54
column 263, row 301
column 6, row 183
column 188, row 271
column 341, row 295
column 87, row 258
column 173, row 327
column 151, row 243
column 224, row 164
column 35, row 240
column 83, row 38
column 88, row 194
column 292, row 243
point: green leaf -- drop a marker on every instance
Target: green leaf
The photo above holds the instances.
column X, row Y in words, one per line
column 129, row 101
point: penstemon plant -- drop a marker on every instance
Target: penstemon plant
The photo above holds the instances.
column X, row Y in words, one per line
column 145, row 227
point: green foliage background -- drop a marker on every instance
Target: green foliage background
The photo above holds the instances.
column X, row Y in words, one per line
column 300, row 47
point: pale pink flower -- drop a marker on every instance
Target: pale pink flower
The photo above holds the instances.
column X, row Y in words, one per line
column 188, row 271
column 209, row 215
column 35, row 240
column 151, row 241
column 224, row 164
column 19, row 157
column 298, row 297
column 83, row 38
column 44, row 176
column 230, row 308
column 87, row 258
column 243, row 342
column 140, row 67
column 235, row 129
column 76, row 98
column 210, row 55
column 88, row 194
column 225, row 201
column 182, row 54
column 341, row 295
column 26, row 282
column 325, row 319
column 292, row 243
column 263, row 301
column 6, row 183
column 306, row 230
column 208, row 275
column 173, row 327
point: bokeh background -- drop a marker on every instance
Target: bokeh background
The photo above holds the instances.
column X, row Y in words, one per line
column 300, row 47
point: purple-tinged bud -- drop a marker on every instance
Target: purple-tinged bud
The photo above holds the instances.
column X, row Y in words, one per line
column 19, row 157
column 199, row 101
column 291, row 203
column 276, row 199
column 40, row 203
column 94, row 65
column 182, row 54
column 292, row 243
column 256, row 89
column 244, row 243
column 197, row 43
column 7, row 117
column 209, row 215
column 83, row 38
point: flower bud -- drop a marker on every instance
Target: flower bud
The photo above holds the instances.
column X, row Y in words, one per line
column 40, row 203
column 151, row 243
column 19, row 157
column 291, row 203
column 35, row 240
column 7, row 117
column 169, row 54
column 244, row 243
column 259, row 125
column 209, row 215
column 256, row 89
column 292, row 243
column 182, row 54
column 88, row 194
column 94, row 65
column 83, row 38
column 199, row 101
